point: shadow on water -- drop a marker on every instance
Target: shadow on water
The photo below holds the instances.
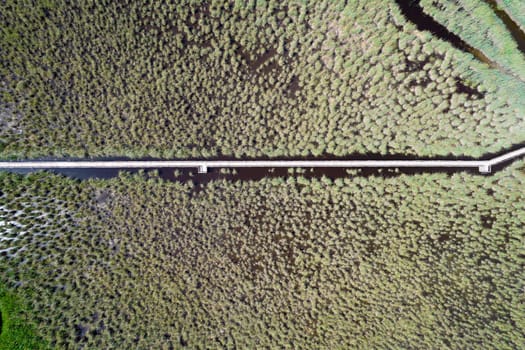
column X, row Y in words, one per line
column 413, row 12
column 255, row 174
column 247, row 174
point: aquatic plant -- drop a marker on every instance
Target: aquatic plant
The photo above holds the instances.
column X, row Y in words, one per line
column 244, row 79
column 423, row 261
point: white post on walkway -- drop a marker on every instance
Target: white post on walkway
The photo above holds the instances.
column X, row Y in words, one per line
column 203, row 169
column 485, row 169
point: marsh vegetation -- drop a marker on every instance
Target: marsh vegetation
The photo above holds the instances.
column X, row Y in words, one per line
column 420, row 261
column 179, row 79
column 287, row 258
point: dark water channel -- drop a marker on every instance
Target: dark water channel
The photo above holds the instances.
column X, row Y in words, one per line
column 254, row 174
column 242, row 174
column 414, row 13
column 512, row 27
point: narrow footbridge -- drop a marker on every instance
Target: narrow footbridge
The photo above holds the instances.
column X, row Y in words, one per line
column 484, row 166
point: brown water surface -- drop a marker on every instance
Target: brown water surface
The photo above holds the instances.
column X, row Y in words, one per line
column 517, row 34
column 414, row 13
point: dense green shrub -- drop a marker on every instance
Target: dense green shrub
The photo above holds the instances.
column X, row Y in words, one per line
column 425, row 261
column 244, row 78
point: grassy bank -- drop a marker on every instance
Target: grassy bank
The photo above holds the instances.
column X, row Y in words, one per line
column 18, row 330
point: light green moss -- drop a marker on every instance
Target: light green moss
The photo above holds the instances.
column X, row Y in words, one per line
column 18, row 330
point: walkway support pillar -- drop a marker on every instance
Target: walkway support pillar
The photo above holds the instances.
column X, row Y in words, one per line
column 485, row 169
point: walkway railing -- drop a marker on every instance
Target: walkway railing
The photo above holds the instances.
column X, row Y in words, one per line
column 484, row 166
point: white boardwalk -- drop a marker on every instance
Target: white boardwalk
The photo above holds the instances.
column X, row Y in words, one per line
column 484, row 166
